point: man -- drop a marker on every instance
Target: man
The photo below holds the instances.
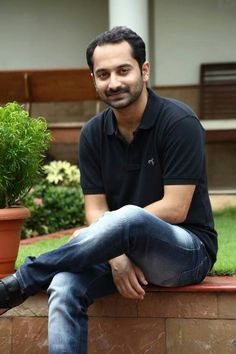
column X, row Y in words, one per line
column 143, row 175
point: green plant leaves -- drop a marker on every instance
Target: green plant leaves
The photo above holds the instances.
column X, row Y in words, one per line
column 23, row 142
column 55, row 203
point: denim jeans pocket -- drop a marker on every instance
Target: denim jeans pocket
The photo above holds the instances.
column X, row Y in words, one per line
column 192, row 276
column 195, row 275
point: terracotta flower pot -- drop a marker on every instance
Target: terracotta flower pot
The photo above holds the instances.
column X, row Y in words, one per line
column 11, row 220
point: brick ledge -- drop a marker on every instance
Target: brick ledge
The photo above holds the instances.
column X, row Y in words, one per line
column 225, row 284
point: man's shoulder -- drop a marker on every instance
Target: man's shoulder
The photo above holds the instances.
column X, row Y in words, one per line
column 176, row 118
column 178, row 109
column 170, row 109
column 97, row 122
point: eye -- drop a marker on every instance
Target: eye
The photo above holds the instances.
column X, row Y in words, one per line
column 124, row 71
column 102, row 75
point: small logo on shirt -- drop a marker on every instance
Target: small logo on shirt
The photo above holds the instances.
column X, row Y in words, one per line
column 151, row 162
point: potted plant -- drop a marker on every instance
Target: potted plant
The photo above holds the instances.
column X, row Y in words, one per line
column 23, row 142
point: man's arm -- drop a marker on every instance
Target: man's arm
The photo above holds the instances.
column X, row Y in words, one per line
column 127, row 277
column 95, row 206
column 174, row 206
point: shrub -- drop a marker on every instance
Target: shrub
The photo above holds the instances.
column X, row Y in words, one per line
column 23, row 142
column 56, row 202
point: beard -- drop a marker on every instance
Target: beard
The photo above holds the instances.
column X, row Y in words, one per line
column 123, row 96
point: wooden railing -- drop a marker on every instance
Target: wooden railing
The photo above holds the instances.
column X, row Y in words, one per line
column 46, row 85
column 217, row 99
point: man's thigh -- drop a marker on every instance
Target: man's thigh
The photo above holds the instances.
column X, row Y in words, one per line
column 169, row 255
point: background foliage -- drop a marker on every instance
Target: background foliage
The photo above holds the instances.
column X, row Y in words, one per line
column 56, row 202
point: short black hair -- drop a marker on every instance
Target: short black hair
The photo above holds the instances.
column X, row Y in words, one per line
column 118, row 34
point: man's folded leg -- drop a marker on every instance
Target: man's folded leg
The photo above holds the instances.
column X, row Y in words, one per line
column 145, row 238
column 103, row 240
column 107, row 238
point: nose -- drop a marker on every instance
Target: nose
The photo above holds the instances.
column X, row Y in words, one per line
column 114, row 82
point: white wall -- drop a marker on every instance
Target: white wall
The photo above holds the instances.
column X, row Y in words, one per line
column 55, row 33
column 190, row 32
column 48, row 33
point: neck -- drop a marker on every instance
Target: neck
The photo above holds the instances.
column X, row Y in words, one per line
column 130, row 117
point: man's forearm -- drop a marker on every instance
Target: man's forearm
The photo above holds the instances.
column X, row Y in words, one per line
column 93, row 215
column 165, row 212
column 95, row 207
column 174, row 206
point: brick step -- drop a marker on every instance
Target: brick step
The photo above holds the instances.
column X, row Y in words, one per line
column 197, row 318
column 225, row 284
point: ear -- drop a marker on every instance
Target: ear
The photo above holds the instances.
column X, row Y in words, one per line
column 94, row 82
column 146, row 71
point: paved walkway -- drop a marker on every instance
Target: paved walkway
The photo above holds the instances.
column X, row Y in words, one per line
column 219, row 202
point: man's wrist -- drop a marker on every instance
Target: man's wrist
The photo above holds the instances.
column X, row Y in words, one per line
column 112, row 261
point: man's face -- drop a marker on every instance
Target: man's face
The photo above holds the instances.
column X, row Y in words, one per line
column 117, row 76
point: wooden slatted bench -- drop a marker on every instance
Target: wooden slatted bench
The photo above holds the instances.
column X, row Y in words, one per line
column 46, row 85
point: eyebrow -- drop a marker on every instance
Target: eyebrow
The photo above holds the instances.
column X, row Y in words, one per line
column 100, row 70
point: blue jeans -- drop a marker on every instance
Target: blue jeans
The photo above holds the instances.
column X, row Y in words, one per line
column 77, row 272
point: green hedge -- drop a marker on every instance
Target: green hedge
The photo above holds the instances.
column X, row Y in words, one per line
column 56, row 202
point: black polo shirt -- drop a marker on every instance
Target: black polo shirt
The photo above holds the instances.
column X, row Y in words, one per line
column 167, row 149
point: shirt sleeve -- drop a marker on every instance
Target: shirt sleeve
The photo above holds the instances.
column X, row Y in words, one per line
column 183, row 152
column 90, row 166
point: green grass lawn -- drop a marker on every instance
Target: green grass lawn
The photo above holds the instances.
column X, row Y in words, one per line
column 225, row 223
column 37, row 248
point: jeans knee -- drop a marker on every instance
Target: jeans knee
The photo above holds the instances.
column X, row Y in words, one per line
column 66, row 288
column 131, row 213
column 130, row 209
column 59, row 285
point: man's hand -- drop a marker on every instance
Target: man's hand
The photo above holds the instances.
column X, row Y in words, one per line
column 128, row 278
column 76, row 233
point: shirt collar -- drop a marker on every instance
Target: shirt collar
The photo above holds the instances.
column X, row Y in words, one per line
column 153, row 107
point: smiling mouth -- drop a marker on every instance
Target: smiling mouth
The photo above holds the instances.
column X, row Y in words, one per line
column 116, row 93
